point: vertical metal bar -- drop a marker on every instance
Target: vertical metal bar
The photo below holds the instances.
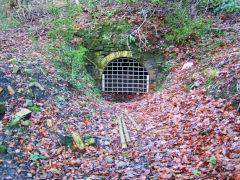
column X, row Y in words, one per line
column 103, row 82
column 147, row 84
column 112, row 86
column 138, row 69
column 127, row 79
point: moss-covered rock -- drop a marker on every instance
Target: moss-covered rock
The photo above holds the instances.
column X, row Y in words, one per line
column 90, row 141
column 3, row 149
column 87, row 136
column 2, row 108
column 26, row 123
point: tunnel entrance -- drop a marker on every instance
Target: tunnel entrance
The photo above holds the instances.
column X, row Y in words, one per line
column 125, row 75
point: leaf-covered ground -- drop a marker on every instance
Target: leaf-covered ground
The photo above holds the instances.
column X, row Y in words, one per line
column 184, row 133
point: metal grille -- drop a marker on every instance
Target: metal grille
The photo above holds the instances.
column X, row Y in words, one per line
column 125, row 75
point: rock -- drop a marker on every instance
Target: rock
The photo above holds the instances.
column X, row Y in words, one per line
column 65, row 140
column 14, row 61
column 3, row 149
column 8, row 132
column 29, row 92
column 21, row 91
column 238, row 120
column 26, row 123
column 29, row 62
column 12, row 171
column 49, row 123
column 229, row 168
column 1, row 89
column 195, row 85
column 29, row 102
column 40, row 104
column 205, row 132
column 27, row 71
column 50, row 175
column 106, row 143
column 24, row 113
column 43, row 176
column 8, row 178
column 15, row 121
column 109, row 159
column 36, row 84
column 16, row 70
column 121, row 164
column 90, row 141
column 10, row 90
column 2, row 108
column 87, row 136
column 187, row 65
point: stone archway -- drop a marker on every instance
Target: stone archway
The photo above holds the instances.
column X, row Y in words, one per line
column 114, row 55
column 102, row 58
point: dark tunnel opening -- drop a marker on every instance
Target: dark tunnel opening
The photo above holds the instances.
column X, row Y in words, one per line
column 125, row 75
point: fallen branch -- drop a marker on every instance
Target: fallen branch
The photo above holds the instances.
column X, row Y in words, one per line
column 123, row 142
column 78, row 140
column 125, row 130
column 133, row 121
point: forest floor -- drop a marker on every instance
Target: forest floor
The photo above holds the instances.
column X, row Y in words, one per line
column 185, row 133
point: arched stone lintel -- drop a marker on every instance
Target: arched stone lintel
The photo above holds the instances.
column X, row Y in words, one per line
column 127, row 54
column 106, row 60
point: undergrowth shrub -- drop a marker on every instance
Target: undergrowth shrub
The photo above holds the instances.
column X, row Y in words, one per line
column 183, row 28
column 28, row 10
column 218, row 6
column 114, row 31
column 69, row 58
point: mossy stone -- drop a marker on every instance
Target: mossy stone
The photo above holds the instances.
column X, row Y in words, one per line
column 3, row 149
column 90, row 141
column 121, row 164
column 87, row 136
column 16, row 70
column 26, row 123
column 2, row 108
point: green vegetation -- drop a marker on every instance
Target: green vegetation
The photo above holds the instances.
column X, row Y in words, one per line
column 212, row 161
column 69, row 58
column 218, row 6
column 6, row 21
column 212, row 78
column 195, row 172
column 3, row 149
column 35, row 109
column 184, row 28
column 35, row 157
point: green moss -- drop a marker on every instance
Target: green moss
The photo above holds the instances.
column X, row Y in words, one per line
column 3, row 149
column 35, row 109
column 188, row 87
column 87, row 136
column 2, row 108
column 212, row 78
column 210, row 81
column 90, row 141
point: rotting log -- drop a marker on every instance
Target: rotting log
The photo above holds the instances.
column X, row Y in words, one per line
column 122, row 138
column 133, row 121
column 78, row 140
column 125, row 130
